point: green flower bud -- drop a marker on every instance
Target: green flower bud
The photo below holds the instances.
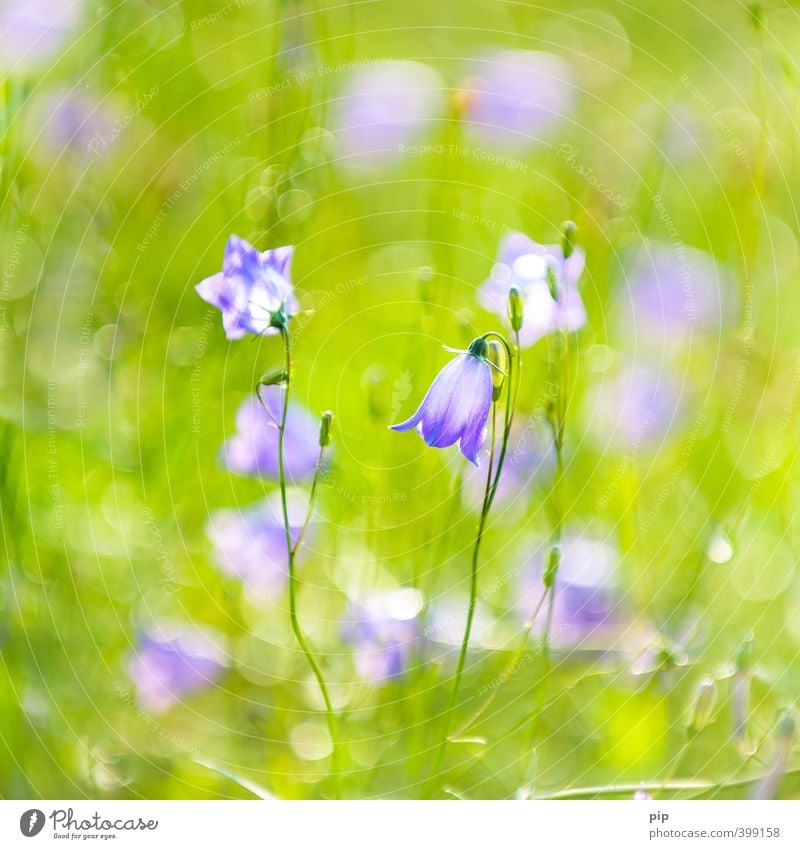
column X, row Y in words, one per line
column 278, row 377
column 325, row 425
column 553, row 562
column 705, row 699
column 515, row 309
column 568, row 230
column 499, row 362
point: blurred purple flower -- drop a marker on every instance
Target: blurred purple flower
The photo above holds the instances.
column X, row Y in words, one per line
column 32, row 32
column 524, row 264
column 584, row 603
column 250, row 544
column 383, row 630
column 456, row 407
column 170, row 663
column 669, row 291
column 251, row 288
column 254, row 448
column 64, row 120
column 637, row 406
column 383, row 108
column 515, row 97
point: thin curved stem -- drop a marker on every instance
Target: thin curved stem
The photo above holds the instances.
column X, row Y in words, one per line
column 291, row 550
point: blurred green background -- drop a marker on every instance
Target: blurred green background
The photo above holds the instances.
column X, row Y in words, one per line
column 118, row 387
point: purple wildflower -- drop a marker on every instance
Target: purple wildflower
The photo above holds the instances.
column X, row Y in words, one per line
column 669, row 293
column 383, row 630
column 533, row 269
column 251, row 544
column 457, row 405
column 253, row 291
column 254, row 448
column 384, row 108
column 171, row 663
column 637, row 406
column 32, row 32
column 514, row 97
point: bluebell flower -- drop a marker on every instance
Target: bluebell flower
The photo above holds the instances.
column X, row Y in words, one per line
column 250, row 544
column 383, row 630
column 538, row 272
column 171, row 663
column 457, row 405
column 254, row 448
column 515, row 97
column 253, row 291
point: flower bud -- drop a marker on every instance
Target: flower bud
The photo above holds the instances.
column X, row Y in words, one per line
column 515, row 309
column 499, row 362
column 568, row 230
column 552, row 282
column 278, row 377
column 325, row 425
column 705, row 698
column 553, row 562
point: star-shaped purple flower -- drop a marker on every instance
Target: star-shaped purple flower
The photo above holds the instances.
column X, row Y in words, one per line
column 254, row 448
column 253, row 291
column 533, row 269
column 457, row 405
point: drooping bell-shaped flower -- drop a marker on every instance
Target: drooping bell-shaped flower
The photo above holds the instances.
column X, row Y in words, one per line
column 170, row 663
column 457, row 405
column 253, row 450
column 253, row 291
column 546, row 282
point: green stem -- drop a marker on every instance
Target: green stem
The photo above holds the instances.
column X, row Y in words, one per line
column 291, row 551
column 488, row 499
column 558, row 424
